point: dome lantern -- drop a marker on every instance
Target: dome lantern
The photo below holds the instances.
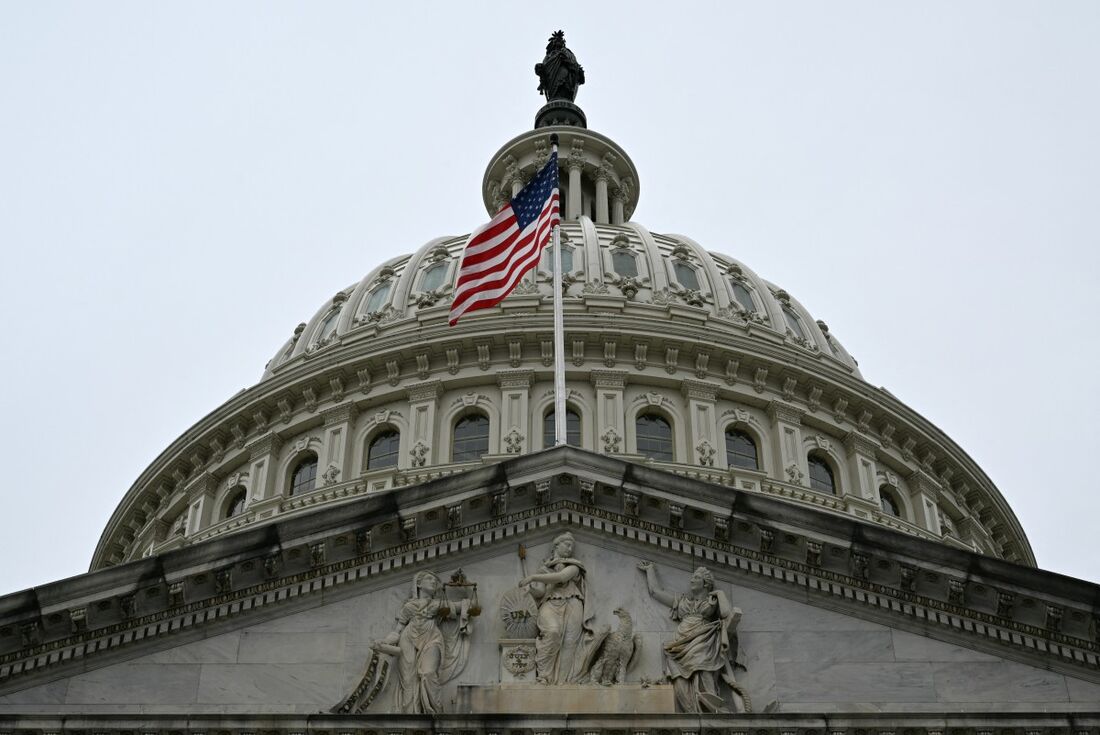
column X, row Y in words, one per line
column 598, row 181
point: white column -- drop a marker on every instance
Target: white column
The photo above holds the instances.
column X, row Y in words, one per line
column 515, row 418
column 610, row 422
column 790, row 460
column 602, row 216
column 703, row 427
column 603, row 175
column 617, row 206
column 862, row 467
column 335, row 465
column 200, row 511
column 423, row 400
column 576, row 166
column 263, row 457
column 924, row 494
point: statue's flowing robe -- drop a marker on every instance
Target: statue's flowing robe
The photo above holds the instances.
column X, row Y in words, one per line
column 700, row 651
column 430, row 656
column 560, row 75
column 565, row 624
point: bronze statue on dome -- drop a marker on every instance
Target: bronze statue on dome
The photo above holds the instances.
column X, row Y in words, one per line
column 559, row 73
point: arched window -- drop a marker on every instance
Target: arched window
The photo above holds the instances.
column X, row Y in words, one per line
column 654, row 437
column 572, row 428
column 378, row 297
column 382, row 450
column 741, row 450
column 821, row 475
column 686, row 275
column 471, row 438
column 433, row 277
column 793, row 322
column 234, row 506
column 743, row 295
column 328, row 325
column 890, row 506
column 304, row 477
column 624, row 263
column 566, row 259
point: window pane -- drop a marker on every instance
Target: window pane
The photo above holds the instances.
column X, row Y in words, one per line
column 471, row 438
column 685, row 274
column 654, row 437
column 821, row 477
column 566, row 259
column 572, row 428
column 743, row 296
column 235, row 506
column 378, row 298
column 793, row 323
column 624, row 264
column 383, row 450
column 328, row 326
column 741, row 450
column 433, row 277
column 304, row 477
column 889, row 505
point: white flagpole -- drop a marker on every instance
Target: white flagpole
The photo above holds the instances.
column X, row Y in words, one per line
column 560, row 436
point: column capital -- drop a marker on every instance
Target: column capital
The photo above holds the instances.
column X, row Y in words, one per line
column 699, row 390
column 515, row 379
column 339, row 414
column 269, row 443
column 428, row 391
column 860, row 444
column 921, row 482
column 615, row 379
column 780, row 411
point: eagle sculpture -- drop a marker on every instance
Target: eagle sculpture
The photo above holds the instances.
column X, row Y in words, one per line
column 614, row 651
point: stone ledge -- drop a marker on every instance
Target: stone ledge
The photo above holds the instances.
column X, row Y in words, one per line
column 568, row 699
column 926, row 723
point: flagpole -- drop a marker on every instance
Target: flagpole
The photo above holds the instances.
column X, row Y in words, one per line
column 560, row 436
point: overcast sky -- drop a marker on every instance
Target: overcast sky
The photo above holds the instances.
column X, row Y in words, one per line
column 182, row 183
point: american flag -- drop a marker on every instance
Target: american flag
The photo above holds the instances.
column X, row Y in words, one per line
column 503, row 251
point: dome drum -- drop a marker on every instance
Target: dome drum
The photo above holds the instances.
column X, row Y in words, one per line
column 792, row 401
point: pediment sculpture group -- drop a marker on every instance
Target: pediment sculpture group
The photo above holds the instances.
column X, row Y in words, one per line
column 429, row 644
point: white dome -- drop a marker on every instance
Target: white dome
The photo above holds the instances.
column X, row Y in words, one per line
column 743, row 387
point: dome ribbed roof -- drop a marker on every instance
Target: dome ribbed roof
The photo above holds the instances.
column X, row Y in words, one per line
column 611, row 268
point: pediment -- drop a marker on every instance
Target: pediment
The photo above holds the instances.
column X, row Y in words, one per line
column 795, row 656
column 283, row 618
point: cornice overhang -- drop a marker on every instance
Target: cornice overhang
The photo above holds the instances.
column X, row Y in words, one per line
column 799, row 552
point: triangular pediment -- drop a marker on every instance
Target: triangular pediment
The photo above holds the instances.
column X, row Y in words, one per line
column 834, row 614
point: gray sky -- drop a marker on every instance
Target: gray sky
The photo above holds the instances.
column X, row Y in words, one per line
column 182, row 183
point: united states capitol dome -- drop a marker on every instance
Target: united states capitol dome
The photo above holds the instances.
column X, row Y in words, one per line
column 677, row 356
